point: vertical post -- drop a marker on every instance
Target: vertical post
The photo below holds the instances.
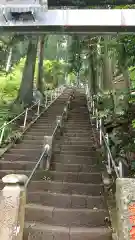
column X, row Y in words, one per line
column 51, row 96
column 109, row 169
column 2, row 133
column 59, row 123
column 25, row 118
column 65, row 113
column 93, row 107
column 12, row 207
column 96, row 118
column 125, row 203
column 45, row 100
column 55, row 94
column 38, row 109
column 120, row 168
column 91, row 103
column 100, row 131
column 48, row 141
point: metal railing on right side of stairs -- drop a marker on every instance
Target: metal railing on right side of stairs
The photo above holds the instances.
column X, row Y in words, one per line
column 49, row 98
column 125, row 187
column 13, row 195
column 104, row 139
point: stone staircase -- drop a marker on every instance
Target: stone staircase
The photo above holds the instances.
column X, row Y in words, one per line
column 68, row 201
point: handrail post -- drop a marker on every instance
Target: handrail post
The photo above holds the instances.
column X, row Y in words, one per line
column 125, row 204
column 93, row 107
column 96, row 118
column 51, row 96
column 100, row 131
column 91, row 103
column 109, row 169
column 120, row 169
column 25, row 118
column 59, row 123
column 65, row 113
column 38, row 108
column 47, row 142
column 68, row 104
column 55, row 94
column 46, row 98
column 12, row 207
column 2, row 133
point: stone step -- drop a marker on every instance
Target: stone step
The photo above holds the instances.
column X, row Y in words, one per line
column 77, row 121
column 31, row 145
column 76, row 148
column 79, row 128
column 39, row 175
column 79, row 177
column 61, row 200
column 29, row 136
column 78, row 138
column 43, row 126
column 76, row 167
column 94, row 178
column 76, row 134
column 37, row 142
column 69, row 142
column 74, row 159
column 50, row 232
column 64, row 187
column 77, row 153
column 78, row 131
column 18, row 157
column 17, row 165
column 66, row 217
column 28, row 152
column 40, row 133
column 45, row 129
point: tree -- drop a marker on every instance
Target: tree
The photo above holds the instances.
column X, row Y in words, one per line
column 25, row 94
column 40, row 64
column 75, row 59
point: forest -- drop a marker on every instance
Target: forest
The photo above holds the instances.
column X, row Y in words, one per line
column 105, row 63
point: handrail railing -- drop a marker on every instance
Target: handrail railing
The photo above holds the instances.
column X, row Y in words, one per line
column 104, row 138
column 110, row 159
column 55, row 94
column 48, row 147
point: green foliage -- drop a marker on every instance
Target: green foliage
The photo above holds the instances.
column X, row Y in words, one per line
column 75, row 58
column 53, row 73
column 9, row 84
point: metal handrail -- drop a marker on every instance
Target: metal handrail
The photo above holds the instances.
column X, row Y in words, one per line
column 44, row 152
column 110, row 160
column 36, row 166
column 38, row 104
column 110, row 155
column 7, row 123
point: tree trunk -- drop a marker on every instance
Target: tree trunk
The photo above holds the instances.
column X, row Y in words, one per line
column 123, row 64
column 25, row 94
column 8, row 65
column 40, row 64
column 107, row 70
column 93, row 76
column 78, row 79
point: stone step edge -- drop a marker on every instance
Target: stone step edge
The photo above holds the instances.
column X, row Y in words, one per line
column 60, row 229
column 51, row 209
